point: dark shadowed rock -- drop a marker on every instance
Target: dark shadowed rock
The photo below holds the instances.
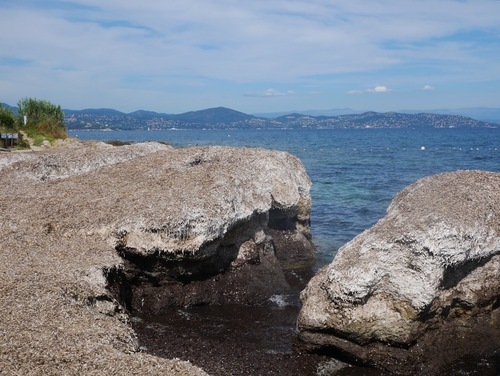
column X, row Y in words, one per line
column 90, row 230
column 420, row 289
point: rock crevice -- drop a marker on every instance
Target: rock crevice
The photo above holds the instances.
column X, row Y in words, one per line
column 245, row 265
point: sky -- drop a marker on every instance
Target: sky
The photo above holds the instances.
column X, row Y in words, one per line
column 252, row 56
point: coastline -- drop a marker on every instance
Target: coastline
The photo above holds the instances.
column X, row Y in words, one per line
column 59, row 249
column 99, row 298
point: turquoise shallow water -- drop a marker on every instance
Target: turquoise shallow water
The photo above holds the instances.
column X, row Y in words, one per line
column 355, row 172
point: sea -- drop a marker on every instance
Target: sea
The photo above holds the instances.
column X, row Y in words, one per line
column 355, row 173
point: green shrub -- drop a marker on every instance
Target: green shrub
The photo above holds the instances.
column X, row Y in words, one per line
column 44, row 118
column 7, row 121
column 38, row 140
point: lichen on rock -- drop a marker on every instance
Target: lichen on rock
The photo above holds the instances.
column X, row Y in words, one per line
column 93, row 230
column 422, row 278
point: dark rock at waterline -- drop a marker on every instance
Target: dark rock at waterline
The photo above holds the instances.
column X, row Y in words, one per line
column 420, row 290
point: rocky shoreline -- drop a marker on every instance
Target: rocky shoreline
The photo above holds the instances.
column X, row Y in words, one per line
column 100, row 241
column 93, row 232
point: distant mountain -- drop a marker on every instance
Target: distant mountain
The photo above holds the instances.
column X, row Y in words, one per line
column 331, row 112
column 12, row 108
column 146, row 114
column 219, row 117
column 213, row 115
column 486, row 114
column 97, row 111
column 382, row 120
column 226, row 118
column 101, row 118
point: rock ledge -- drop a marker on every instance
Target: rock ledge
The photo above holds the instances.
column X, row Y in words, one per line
column 93, row 230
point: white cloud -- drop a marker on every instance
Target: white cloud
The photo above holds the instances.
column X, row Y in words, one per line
column 379, row 89
column 355, row 92
column 376, row 89
column 428, row 88
column 165, row 50
column 271, row 92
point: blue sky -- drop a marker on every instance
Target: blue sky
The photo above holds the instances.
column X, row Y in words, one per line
column 253, row 56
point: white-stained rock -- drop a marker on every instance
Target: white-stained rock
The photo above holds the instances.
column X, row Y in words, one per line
column 424, row 277
column 90, row 230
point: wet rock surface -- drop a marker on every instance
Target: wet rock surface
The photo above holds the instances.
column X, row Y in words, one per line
column 229, row 339
column 419, row 291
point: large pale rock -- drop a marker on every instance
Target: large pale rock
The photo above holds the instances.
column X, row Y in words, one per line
column 88, row 230
column 421, row 288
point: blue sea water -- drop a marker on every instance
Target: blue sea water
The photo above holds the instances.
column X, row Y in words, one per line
column 355, row 172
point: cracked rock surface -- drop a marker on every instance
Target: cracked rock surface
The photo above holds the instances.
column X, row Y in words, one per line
column 421, row 288
column 92, row 230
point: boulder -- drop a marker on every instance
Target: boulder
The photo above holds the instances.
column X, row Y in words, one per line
column 92, row 232
column 420, row 289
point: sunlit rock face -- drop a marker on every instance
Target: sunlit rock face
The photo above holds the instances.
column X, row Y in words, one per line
column 92, row 232
column 421, row 288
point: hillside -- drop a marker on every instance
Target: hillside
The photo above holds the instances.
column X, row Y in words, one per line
column 225, row 118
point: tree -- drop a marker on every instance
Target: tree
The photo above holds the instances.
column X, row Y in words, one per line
column 7, row 120
column 43, row 117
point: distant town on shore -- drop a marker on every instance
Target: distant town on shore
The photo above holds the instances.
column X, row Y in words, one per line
column 226, row 118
